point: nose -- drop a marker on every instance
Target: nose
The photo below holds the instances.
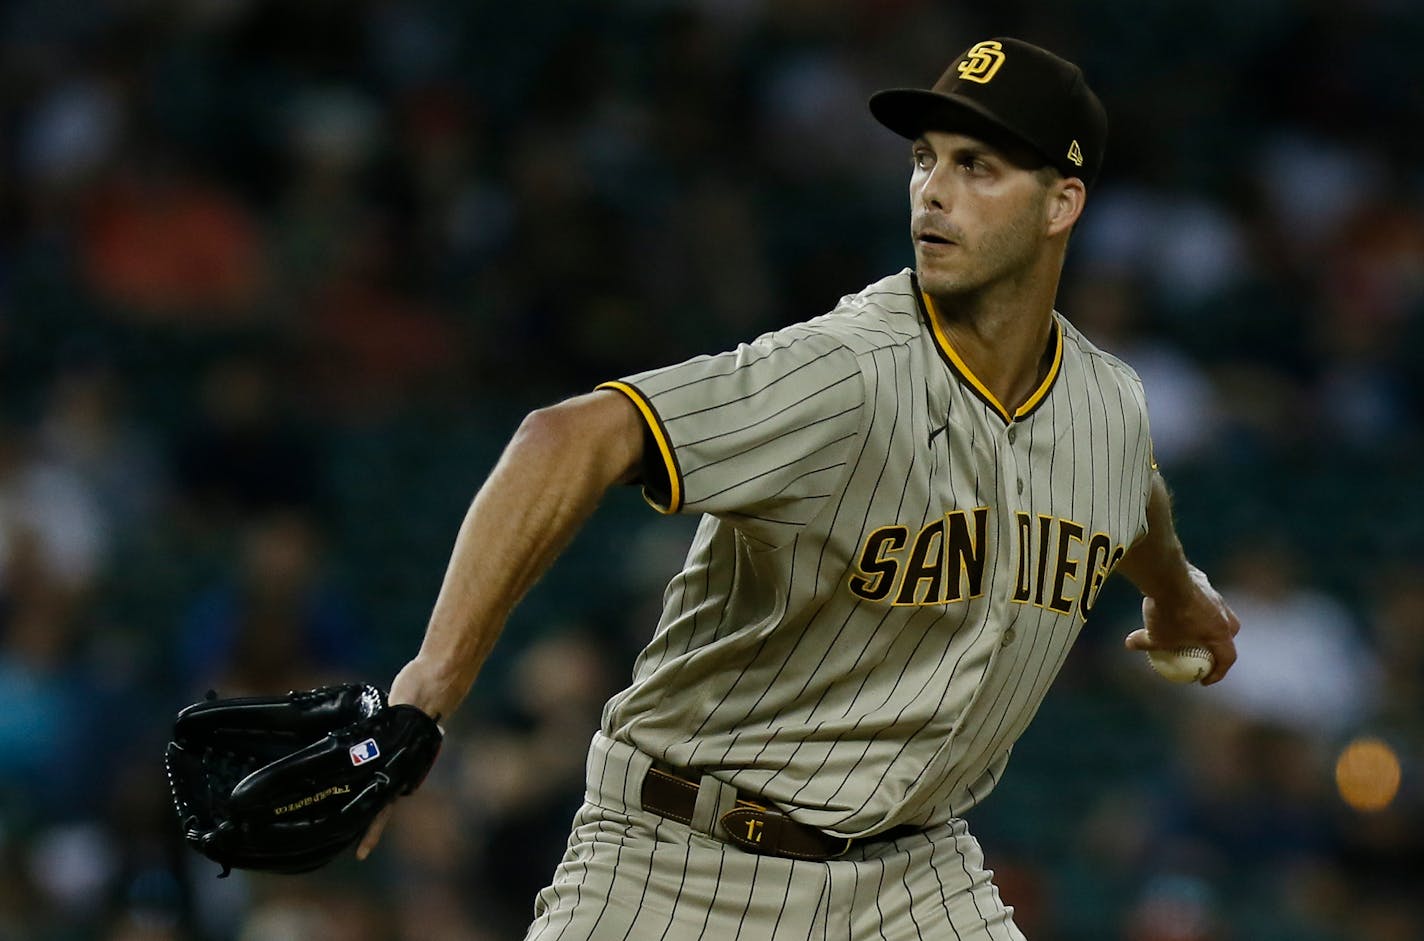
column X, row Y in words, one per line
column 934, row 189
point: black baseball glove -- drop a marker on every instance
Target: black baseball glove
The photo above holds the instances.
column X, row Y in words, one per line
column 285, row 783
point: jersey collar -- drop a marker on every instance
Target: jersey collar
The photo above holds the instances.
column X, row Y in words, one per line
column 962, row 370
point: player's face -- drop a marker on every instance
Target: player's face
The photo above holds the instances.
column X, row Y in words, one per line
column 977, row 217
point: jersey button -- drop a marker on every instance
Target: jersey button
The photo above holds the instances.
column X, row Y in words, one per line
column 1009, row 636
column 1020, row 485
column 1013, row 433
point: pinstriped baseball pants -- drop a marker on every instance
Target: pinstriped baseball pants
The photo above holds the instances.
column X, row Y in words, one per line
column 630, row 875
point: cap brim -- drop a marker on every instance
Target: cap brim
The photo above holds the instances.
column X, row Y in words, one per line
column 910, row 112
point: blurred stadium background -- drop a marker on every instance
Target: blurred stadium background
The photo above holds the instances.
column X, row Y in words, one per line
column 277, row 280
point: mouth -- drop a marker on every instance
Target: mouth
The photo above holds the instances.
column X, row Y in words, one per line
column 932, row 238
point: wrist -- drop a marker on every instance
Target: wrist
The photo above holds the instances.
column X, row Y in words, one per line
column 432, row 685
column 1175, row 585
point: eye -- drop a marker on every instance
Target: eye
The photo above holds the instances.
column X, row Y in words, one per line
column 973, row 164
column 923, row 158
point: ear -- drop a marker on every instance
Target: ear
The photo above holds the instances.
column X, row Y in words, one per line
column 1066, row 197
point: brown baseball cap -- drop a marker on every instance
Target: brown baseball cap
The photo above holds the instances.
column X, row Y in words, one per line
column 1008, row 86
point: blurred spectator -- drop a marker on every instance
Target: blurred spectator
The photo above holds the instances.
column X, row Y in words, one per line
column 330, row 139
column 360, row 326
column 49, row 709
column 278, row 622
column 1397, row 628
column 49, row 506
column 247, row 451
column 812, row 101
column 1373, row 286
column 72, row 865
column 70, row 133
column 524, row 780
column 441, row 912
column 1342, row 175
column 323, row 910
column 1182, row 402
column 1188, row 250
column 434, row 843
column 459, row 215
column 1175, row 908
column 1254, row 795
column 162, row 245
column 344, row 267
column 87, row 428
column 144, row 893
column 1303, row 663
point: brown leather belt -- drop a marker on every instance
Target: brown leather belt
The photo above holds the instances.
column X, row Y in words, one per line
column 750, row 825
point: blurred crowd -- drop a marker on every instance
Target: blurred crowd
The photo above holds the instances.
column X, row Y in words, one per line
column 277, row 280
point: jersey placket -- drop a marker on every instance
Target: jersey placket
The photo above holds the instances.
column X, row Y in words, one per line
column 1008, row 430
column 964, row 756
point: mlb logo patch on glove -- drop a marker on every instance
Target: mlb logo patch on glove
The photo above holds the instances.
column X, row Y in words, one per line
column 364, row 752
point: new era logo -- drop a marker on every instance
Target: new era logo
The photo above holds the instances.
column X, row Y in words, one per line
column 364, row 752
column 1075, row 154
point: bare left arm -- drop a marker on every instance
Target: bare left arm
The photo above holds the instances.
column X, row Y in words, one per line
column 1180, row 607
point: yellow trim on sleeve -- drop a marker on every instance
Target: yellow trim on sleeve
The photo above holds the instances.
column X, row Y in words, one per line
column 968, row 375
column 650, row 417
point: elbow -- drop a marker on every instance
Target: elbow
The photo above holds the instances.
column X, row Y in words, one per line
column 590, row 435
column 545, row 426
column 548, row 433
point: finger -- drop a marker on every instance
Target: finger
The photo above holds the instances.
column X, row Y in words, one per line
column 1224, row 650
column 1224, row 655
column 373, row 833
column 1140, row 639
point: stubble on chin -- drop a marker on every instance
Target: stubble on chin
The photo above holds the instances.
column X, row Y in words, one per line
column 932, row 282
column 1000, row 255
column 937, row 280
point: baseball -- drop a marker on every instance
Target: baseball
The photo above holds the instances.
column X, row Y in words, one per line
column 1183, row 665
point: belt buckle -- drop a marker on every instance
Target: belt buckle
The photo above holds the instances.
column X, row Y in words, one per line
column 767, row 832
column 754, row 829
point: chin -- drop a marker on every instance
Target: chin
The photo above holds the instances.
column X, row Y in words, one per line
column 939, row 283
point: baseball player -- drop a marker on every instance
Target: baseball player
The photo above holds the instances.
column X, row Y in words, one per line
column 908, row 508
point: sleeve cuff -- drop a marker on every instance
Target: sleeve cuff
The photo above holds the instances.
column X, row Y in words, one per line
column 659, row 461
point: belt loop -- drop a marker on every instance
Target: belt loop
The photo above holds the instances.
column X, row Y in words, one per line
column 593, row 768
column 714, row 798
column 615, row 774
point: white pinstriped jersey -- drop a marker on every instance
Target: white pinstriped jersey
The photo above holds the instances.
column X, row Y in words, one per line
column 891, row 568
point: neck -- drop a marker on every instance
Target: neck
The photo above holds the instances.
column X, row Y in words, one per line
column 1001, row 333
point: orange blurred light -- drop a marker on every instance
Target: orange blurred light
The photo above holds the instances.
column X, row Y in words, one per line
column 1367, row 774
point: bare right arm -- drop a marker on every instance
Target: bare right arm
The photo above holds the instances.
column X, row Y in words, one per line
column 546, row 484
column 544, row 487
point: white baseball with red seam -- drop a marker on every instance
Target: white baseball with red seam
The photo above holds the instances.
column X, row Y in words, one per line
column 1182, row 665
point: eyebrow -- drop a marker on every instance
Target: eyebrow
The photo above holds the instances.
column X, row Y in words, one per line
column 970, row 146
column 976, row 151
